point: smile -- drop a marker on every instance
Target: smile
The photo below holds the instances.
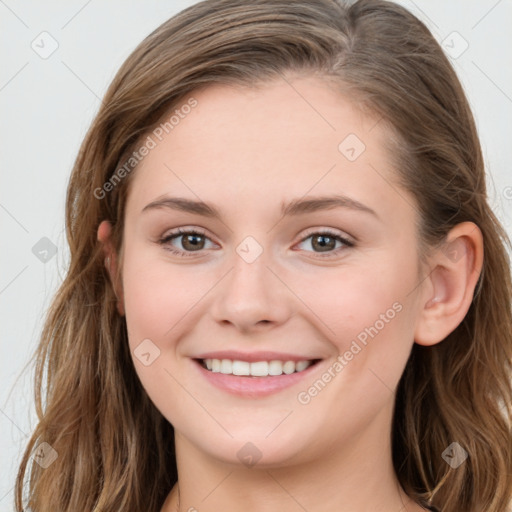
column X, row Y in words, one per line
column 255, row 369
column 262, row 376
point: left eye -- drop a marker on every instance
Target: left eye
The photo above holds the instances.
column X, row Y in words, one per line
column 325, row 242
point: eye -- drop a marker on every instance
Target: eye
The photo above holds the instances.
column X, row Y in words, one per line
column 325, row 242
column 192, row 240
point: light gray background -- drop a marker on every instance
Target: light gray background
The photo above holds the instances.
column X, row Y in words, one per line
column 48, row 103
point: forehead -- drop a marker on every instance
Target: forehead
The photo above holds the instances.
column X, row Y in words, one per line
column 246, row 147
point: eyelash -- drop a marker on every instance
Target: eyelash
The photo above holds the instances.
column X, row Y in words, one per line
column 186, row 254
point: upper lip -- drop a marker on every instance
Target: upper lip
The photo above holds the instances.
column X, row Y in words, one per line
column 235, row 355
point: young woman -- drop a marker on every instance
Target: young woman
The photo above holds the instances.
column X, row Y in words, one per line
column 287, row 290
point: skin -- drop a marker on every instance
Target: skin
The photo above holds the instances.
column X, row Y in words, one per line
column 247, row 150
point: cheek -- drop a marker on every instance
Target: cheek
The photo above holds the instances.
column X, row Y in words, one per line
column 159, row 300
column 367, row 314
column 159, row 295
column 361, row 302
column 368, row 318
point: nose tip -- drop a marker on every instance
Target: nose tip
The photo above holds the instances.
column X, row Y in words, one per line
column 251, row 297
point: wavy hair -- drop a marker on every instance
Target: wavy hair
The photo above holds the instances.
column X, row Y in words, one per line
column 115, row 450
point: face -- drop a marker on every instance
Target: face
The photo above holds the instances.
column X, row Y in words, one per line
column 308, row 269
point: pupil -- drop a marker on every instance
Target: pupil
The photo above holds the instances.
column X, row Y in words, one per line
column 194, row 240
column 323, row 245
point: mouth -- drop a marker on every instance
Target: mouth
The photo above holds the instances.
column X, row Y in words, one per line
column 259, row 369
column 258, row 378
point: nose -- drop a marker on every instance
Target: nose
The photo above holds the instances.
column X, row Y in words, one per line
column 252, row 296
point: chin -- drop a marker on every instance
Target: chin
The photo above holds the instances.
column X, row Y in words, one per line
column 252, row 450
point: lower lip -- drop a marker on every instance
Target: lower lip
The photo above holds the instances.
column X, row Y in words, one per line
column 254, row 387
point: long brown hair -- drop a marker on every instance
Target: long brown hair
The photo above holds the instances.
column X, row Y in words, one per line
column 115, row 451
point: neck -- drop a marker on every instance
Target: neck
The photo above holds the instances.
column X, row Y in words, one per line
column 355, row 476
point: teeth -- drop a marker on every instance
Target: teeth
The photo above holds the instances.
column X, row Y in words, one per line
column 226, row 366
column 257, row 369
column 275, row 368
column 288, row 367
column 241, row 368
column 302, row 365
column 215, row 364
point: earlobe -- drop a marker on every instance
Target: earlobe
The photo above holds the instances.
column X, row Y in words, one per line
column 104, row 237
column 450, row 286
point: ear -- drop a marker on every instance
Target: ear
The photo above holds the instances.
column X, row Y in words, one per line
column 111, row 262
column 449, row 288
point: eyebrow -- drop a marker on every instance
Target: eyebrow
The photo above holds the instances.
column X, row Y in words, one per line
column 294, row 207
